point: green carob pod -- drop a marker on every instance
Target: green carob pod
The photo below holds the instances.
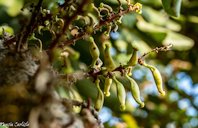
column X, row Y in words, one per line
column 134, row 58
column 107, row 86
column 94, row 51
column 132, row 62
column 100, row 96
column 135, row 91
column 121, row 94
column 108, row 61
column 157, row 77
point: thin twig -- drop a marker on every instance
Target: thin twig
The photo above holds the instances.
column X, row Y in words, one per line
column 157, row 49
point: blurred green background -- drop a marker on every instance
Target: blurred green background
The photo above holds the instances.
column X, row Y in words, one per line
column 153, row 28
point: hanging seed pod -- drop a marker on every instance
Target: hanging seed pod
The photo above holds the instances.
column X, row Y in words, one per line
column 135, row 91
column 132, row 62
column 107, row 86
column 109, row 63
column 134, row 58
column 100, row 96
column 94, row 51
column 121, row 94
column 157, row 77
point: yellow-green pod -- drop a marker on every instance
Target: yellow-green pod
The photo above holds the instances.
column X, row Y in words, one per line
column 134, row 58
column 108, row 61
column 129, row 71
column 107, row 86
column 121, row 94
column 157, row 77
column 107, row 32
column 94, row 51
column 100, row 96
column 135, row 91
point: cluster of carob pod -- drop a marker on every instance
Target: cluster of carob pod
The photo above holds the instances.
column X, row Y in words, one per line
column 108, row 71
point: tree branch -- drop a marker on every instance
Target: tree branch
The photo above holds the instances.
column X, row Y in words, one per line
column 67, row 23
column 23, row 37
column 112, row 17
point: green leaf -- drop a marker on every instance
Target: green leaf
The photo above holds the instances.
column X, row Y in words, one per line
column 158, row 33
column 180, row 42
column 3, row 126
column 158, row 18
column 172, row 7
column 136, row 40
column 151, row 3
column 129, row 20
column 13, row 6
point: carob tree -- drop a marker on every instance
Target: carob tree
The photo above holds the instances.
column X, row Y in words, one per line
column 30, row 81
